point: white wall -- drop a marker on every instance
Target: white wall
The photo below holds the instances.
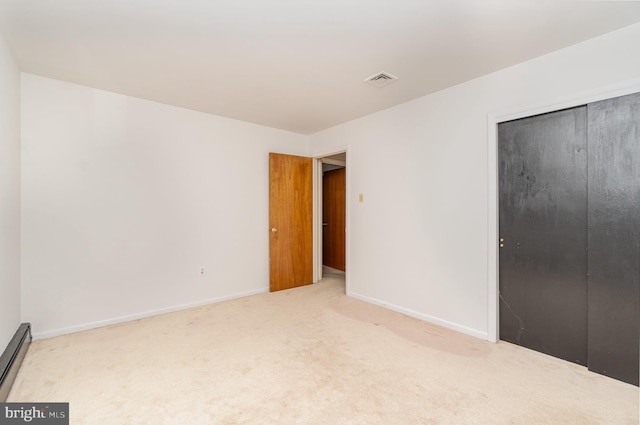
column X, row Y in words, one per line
column 419, row 241
column 9, row 196
column 124, row 199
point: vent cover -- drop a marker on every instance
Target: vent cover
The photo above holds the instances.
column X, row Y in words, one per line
column 381, row 79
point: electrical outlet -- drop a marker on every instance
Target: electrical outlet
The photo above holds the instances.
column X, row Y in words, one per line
column 201, row 269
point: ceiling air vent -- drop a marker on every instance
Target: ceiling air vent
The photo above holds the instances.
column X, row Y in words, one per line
column 381, row 79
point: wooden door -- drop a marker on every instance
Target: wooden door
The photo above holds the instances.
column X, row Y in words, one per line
column 569, row 202
column 334, row 218
column 614, row 237
column 291, row 221
column 543, row 240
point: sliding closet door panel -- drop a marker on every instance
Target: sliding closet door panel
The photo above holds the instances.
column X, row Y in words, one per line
column 614, row 237
column 543, row 221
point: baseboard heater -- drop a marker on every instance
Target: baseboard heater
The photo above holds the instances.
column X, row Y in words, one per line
column 12, row 358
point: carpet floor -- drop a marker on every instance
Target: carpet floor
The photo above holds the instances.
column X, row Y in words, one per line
column 309, row 355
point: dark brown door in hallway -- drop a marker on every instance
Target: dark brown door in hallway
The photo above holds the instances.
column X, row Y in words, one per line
column 334, row 218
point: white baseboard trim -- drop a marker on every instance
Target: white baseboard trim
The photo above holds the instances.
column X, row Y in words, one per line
column 130, row 317
column 425, row 317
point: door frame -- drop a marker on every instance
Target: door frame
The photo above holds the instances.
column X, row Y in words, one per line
column 495, row 118
column 317, row 212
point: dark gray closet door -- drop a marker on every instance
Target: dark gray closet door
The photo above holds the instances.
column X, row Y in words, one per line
column 614, row 237
column 543, row 221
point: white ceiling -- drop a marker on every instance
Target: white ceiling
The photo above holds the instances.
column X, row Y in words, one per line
column 297, row 65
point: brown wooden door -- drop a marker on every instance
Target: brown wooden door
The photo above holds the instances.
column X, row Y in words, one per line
column 334, row 215
column 291, row 221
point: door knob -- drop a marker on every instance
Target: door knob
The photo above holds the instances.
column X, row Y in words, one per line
column 274, row 230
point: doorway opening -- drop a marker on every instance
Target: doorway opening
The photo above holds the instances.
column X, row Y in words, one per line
column 331, row 215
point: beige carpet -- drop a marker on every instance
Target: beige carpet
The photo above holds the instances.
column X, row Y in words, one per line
column 309, row 356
